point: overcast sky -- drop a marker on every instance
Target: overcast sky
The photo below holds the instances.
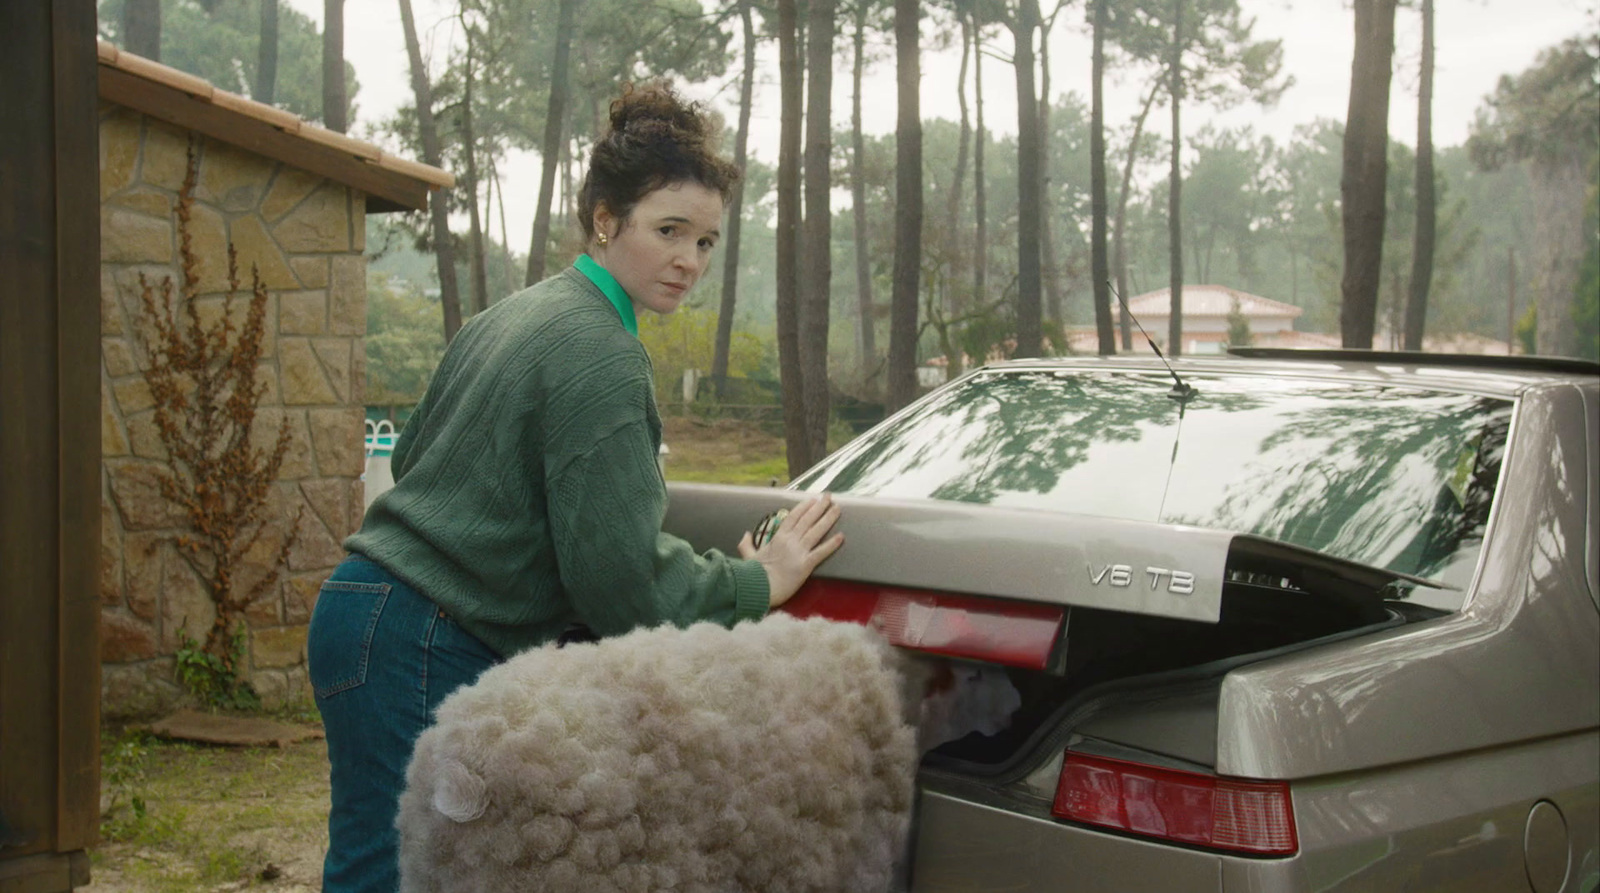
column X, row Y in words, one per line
column 1477, row 42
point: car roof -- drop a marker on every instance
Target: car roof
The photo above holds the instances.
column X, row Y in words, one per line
column 1484, row 375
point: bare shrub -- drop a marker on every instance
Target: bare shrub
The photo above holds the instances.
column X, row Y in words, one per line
column 202, row 377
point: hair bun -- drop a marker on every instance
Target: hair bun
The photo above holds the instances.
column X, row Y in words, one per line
column 653, row 111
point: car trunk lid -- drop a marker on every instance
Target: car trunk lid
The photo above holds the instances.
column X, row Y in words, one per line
column 898, row 547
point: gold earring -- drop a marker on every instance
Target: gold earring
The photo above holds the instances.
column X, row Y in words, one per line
column 602, row 238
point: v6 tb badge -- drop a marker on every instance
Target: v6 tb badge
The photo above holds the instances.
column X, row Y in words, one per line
column 1121, row 576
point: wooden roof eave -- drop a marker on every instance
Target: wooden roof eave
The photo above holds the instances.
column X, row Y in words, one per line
column 386, row 190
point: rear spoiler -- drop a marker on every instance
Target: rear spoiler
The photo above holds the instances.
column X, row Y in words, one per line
column 1136, row 567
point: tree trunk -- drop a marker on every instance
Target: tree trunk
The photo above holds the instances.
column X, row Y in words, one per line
column 569, row 186
column 908, row 208
column 1365, row 170
column 980, row 188
column 958, row 178
column 478, row 269
column 1397, row 289
column 943, row 319
column 267, row 54
column 1202, row 253
column 141, row 28
column 1120, row 254
column 550, row 149
column 335, row 106
column 817, row 241
column 489, row 186
column 1098, row 267
column 730, row 245
column 443, row 246
column 505, row 234
column 1559, row 234
column 868, row 337
column 1294, row 275
column 1029, row 206
column 1051, row 261
column 1423, row 246
column 790, row 372
column 1175, row 189
column 1511, row 301
column 1049, row 267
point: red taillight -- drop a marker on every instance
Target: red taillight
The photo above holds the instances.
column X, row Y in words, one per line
column 1017, row 634
column 1223, row 813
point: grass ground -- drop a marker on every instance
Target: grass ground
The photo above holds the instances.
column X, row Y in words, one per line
column 180, row 817
column 723, row 451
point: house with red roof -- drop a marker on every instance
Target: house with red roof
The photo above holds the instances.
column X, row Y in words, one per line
column 1206, row 309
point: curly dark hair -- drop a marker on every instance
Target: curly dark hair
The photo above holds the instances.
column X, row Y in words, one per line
column 655, row 140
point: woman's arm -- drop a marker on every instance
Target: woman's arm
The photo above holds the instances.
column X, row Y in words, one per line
column 606, row 499
column 620, row 571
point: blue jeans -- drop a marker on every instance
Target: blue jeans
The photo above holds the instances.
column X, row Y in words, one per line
column 382, row 657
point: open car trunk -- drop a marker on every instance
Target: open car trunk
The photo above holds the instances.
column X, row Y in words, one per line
column 1093, row 617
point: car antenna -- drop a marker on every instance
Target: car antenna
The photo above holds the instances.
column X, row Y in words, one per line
column 1181, row 390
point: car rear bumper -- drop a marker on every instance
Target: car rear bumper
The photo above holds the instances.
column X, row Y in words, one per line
column 971, row 848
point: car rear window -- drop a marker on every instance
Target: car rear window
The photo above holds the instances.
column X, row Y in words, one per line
column 1394, row 477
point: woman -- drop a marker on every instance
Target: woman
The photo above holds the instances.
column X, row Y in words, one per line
column 527, row 498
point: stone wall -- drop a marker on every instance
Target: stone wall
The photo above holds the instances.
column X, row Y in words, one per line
column 306, row 235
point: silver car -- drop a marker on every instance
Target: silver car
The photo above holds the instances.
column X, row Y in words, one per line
column 1290, row 622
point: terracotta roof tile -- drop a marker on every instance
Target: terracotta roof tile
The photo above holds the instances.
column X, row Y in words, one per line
column 285, row 121
column 345, row 143
column 155, row 71
column 406, row 166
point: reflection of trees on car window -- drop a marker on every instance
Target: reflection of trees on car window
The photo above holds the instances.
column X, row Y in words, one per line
column 1461, row 510
column 1366, row 473
column 911, row 442
column 1554, row 541
column 1046, row 425
column 1015, row 433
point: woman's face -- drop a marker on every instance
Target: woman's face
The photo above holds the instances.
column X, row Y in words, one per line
column 659, row 252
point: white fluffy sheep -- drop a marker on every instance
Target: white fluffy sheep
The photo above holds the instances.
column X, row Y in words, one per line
column 777, row 756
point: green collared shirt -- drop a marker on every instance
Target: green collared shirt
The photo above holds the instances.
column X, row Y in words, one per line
column 612, row 289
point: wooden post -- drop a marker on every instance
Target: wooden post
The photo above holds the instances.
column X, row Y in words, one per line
column 49, row 447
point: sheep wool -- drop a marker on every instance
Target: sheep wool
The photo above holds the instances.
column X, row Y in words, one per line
column 777, row 756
